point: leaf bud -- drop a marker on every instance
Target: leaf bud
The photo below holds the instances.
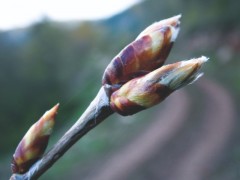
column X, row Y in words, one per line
column 34, row 142
column 146, row 91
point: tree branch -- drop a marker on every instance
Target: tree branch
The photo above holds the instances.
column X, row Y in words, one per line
column 96, row 112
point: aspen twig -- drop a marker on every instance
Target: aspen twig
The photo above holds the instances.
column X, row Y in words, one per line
column 123, row 93
column 96, row 112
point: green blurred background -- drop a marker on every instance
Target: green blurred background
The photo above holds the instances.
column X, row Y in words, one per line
column 51, row 62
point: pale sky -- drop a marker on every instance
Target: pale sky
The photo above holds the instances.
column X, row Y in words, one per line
column 21, row 13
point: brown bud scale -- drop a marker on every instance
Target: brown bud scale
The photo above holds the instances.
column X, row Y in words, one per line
column 126, row 102
column 37, row 148
column 125, row 107
column 145, row 54
column 148, row 90
column 137, row 57
column 34, row 143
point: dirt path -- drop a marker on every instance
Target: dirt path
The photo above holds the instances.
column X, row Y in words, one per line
column 199, row 156
column 157, row 134
column 218, row 119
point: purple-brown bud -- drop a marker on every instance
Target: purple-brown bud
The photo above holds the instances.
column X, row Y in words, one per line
column 146, row 91
column 146, row 53
column 34, row 143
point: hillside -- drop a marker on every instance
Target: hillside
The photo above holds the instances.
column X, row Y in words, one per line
column 52, row 62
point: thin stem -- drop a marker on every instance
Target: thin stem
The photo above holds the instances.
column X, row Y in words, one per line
column 97, row 111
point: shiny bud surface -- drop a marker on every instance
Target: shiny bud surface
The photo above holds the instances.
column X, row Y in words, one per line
column 146, row 91
column 34, row 143
column 146, row 53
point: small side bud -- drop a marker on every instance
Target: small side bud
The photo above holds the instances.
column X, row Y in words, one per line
column 146, row 91
column 146, row 53
column 34, row 143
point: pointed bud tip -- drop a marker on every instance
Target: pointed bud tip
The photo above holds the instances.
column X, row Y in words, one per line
column 175, row 26
column 56, row 107
column 185, row 73
column 175, row 20
column 178, row 16
column 203, row 59
column 50, row 114
column 198, row 61
column 172, row 22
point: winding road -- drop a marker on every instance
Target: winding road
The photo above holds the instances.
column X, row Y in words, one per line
column 157, row 134
column 146, row 156
column 218, row 123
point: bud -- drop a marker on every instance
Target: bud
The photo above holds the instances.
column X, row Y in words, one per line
column 146, row 53
column 146, row 91
column 173, row 21
column 34, row 143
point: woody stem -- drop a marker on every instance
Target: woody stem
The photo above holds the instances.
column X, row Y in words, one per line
column 96, row 112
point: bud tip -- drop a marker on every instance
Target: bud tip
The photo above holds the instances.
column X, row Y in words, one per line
column 203, row 59
column 56, row 107
column 176, row 27
column 52, row 112
column 199, row 61
column 177, row 17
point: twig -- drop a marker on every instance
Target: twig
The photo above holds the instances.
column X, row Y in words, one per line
column 97, row 111
column 129, row 95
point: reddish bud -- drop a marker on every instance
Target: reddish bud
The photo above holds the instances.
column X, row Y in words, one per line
column 146, row 91
column 146, row 53
column 34, row 143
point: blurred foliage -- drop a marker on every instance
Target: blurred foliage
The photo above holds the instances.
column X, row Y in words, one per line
column 53, row 62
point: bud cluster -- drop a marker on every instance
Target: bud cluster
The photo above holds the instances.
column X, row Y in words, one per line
column 135, row 79
column 145, row 54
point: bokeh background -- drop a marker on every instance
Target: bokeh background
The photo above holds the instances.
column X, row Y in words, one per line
column 193, row 135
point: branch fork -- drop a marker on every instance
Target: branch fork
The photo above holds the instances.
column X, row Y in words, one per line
column 133, row 81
